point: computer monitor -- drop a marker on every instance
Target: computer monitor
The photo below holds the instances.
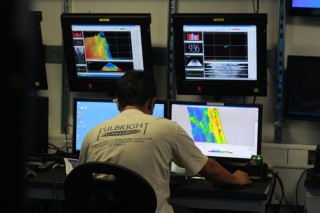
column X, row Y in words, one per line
column 99, row 48
column 220, row 54
column 223, row 131
column 303, row 7
column 36, row 58
column 302, row 86
column 89, row 112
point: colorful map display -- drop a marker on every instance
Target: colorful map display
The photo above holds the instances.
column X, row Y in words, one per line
column 206, row 125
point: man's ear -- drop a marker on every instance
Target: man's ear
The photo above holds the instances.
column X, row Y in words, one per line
column 151, row 104
column 118, row 105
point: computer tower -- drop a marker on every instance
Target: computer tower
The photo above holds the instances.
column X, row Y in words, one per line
column 37, row 140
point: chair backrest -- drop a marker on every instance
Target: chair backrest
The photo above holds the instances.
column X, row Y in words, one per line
column 126, row 191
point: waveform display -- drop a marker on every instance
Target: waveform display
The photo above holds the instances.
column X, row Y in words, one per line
column 107, row 51
column 108, row 45
column 97, row 47
column 206, row 125
column 221, row 151
column 107, row 66
column 194, row 61
column 193, row 36
column 226, row 70
column 110, row 67
column 77, row 34
column 79, row 55
column 226, row 46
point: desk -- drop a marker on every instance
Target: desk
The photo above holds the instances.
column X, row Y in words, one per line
column 203, row 194
column 194, row 194
column 46, row 185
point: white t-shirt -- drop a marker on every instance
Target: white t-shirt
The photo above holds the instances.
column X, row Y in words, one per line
column 147, row 145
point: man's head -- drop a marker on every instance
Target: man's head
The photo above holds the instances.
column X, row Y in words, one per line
column 136, row 88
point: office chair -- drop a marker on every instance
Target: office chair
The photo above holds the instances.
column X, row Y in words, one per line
column 125, row 191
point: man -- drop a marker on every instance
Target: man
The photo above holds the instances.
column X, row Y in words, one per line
column 147, row 144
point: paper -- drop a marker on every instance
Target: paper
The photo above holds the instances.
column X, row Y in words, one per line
column 70, row 164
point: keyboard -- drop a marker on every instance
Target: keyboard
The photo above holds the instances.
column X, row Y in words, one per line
column 177, row 179
column 43, row 162
column 232, row 167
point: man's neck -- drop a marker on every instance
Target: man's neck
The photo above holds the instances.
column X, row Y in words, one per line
column 143, row 109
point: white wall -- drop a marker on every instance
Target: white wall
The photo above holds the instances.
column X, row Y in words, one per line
column 289, row 162
column 301, row 35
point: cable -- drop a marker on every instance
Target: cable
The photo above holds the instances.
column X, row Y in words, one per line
column 268, row 203
column 66, row 135
column 57, row 149
column 274, row 76
column 61, row 150
column 282, row 192
column 283, row 196
column 297, row 204
column 254, row 7
column 65, row 130
column 52, row 146
column 254, row 99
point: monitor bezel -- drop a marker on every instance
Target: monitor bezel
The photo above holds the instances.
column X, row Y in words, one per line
column 220, row 87
column 204, row 103
column 96, row 84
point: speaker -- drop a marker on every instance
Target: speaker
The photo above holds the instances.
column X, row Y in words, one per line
column 257, row 172
column 38, row 129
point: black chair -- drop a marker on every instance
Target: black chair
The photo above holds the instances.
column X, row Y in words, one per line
column 126, row 191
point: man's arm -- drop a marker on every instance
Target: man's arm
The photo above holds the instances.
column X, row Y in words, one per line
column 214, row 172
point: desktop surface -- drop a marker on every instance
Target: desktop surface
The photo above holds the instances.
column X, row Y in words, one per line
column 204, row 188
column 199, row 193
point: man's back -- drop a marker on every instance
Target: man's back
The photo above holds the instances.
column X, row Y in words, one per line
column 141, row 142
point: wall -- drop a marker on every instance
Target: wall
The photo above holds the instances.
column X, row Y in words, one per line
column 159, row 10
column 300, row 37
column 300, row 34
column 289, row 162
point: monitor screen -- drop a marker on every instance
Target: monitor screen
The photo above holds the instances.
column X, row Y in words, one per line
column 37, row 55
column 220, row 54
column 100, row 48
column 226, row 132
column 89, row 112
column 302, row 86
column 303, row 7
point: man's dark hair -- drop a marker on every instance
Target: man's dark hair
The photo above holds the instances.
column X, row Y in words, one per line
column 135, row 88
